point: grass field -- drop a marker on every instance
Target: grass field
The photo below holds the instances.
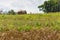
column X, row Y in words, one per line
column 31, row 26
column 29, row 21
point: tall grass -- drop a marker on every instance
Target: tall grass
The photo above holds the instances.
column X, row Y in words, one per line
column 29, row 21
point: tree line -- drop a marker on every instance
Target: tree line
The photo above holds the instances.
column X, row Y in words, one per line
column 47, row 6
column 12, row 12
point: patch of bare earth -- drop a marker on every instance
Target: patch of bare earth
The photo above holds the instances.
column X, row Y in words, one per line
column 42, row 34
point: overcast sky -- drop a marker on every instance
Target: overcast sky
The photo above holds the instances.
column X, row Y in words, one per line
column 28, row 5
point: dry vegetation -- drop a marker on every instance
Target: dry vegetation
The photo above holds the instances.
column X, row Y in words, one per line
column 42, row 34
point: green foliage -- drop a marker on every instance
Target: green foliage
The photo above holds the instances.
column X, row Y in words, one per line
column 50, row 6
column 11, row 12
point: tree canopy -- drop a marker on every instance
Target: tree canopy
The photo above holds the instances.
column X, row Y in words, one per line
column 11, row 12
column 50, row 6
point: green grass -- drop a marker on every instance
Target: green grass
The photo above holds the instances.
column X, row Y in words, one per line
column 27, row 22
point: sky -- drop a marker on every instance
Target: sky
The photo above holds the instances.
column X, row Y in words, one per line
column 16, row 5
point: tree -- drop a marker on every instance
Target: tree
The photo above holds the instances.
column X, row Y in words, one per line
column 22, row 12
column 11, row 12
column 50, row 6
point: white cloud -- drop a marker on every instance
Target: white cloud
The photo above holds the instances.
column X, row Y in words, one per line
column 29, row 5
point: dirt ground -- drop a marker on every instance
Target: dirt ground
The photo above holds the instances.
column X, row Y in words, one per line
column 43, row 34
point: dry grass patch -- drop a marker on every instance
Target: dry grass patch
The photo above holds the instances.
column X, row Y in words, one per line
column 42, row 34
